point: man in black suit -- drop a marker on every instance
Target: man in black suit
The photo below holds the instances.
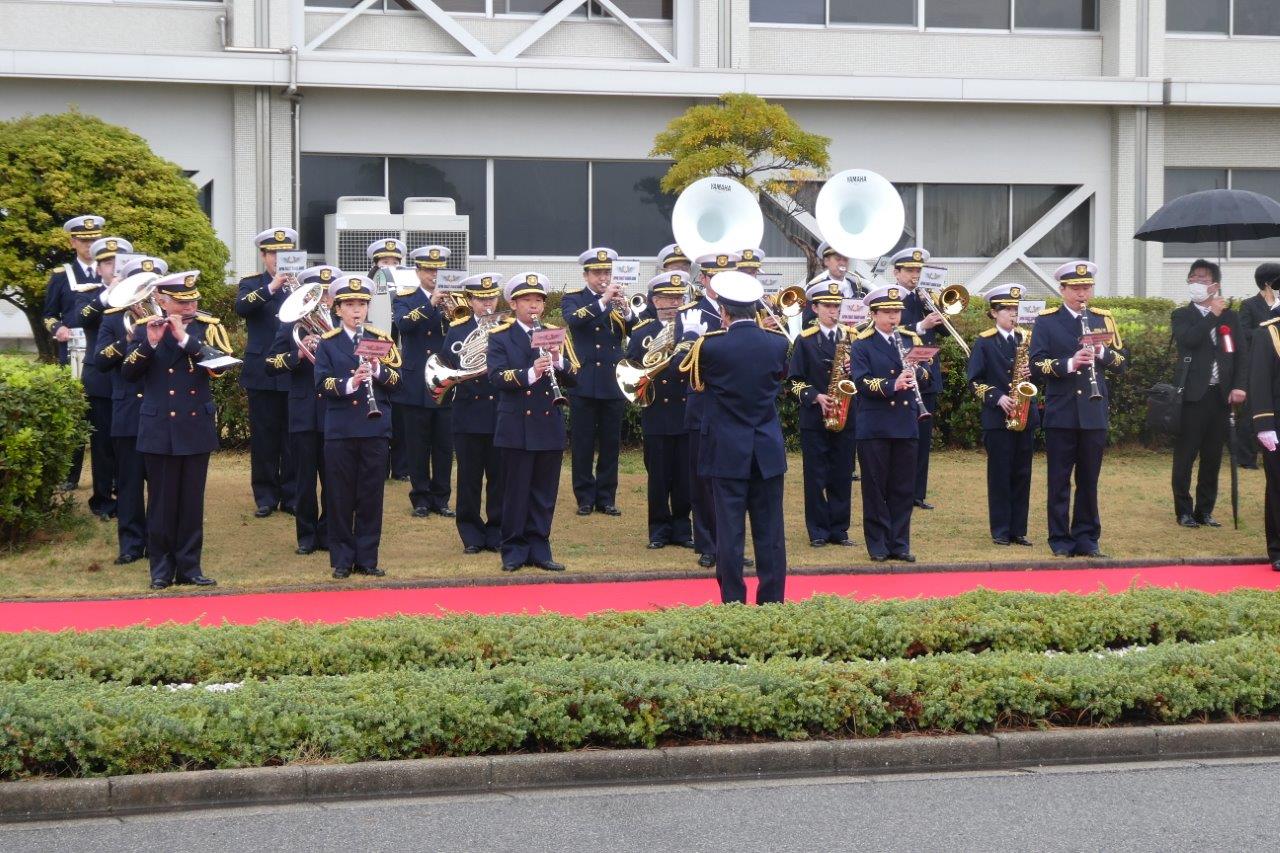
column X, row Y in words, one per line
column 1254, row 311
column 1205, row 332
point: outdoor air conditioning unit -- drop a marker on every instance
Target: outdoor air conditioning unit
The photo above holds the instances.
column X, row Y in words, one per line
column 359, row 220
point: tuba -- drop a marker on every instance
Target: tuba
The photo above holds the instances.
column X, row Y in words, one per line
column 860, row 214
column 136, row 293
column 715, row 215
column 305, row 308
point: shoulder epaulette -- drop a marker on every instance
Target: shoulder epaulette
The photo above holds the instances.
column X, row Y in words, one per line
column 775, row 331
column 812, row 330
column 549, row 326
column 330, row 333
column 866, row 333
column 1101, row 312
column 375, row 331
column 688, row 305
column 643, row 323
column 460, row 321
column 716, row 332
column 206, row 317
column 502, row 325
column 126, row 308
column 989, row 333
column 910, row 334
column 1272, row 321
column 1047, row 311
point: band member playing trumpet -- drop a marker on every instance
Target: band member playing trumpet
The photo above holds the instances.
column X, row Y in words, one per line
column 998, row 365
column 917, row 317
column 599, row 320
column 480, row 474
column 819, row 377
column 529, row 428
column 666, row 442
column 387, row 254
column 740, row 369
column 356, row 429
column 306, row 414
column 176, row 426
column 889, row 409
column 422, row 319
column 126, row 402
column 258, row 302
column 1072, row 374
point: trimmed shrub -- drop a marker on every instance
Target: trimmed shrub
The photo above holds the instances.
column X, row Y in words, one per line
column 42, row 422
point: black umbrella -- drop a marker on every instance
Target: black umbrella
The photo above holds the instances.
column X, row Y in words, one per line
column 1213, row 216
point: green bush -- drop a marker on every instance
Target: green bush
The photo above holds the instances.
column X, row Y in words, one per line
column 232, row 402
column 81, row 728
column 42, row 422
column 827, row 627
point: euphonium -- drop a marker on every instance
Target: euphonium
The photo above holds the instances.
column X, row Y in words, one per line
column 841, row 388
column 137, row 293
column 305, row 308
column 472, row 352
column 1022, row 391
column 636, row 380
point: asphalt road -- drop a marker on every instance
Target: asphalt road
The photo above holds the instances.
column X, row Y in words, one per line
column 1193, row 806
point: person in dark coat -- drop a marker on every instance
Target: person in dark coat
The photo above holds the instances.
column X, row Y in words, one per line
column 1253, row 312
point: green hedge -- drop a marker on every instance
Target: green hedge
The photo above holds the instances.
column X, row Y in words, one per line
column 42, row 422
column 827, row 627
column 78, row 728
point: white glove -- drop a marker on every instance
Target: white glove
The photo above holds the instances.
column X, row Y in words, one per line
column 692, row 321
column 1268, row 440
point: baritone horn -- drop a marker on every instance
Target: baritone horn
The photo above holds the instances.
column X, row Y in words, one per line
column 136, row 293
column 305, row 308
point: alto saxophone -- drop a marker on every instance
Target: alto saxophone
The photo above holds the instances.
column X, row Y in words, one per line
column 840, row 388
column 1022, row 391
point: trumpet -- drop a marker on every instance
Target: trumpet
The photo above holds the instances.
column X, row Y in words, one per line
column 304, row 307
column 951, row 300
column 639, row 303
column 454, row 304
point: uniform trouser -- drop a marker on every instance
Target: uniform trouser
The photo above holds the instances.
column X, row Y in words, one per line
column 1008, row 480
column 131, row 504
column 1271, row 465
column 480, row 477
column 888, row 472
column 356, row 470
column 528, row 503
column 398, row 458
column 924, row 446
column 1203, row 434
column 828, row 482
column 1244, row 445
column 666, row 461
column 102, row 457
column 762, row 499
column 1078, row 451
column 175, row 514
column 595, row 425
column 271, row 471
column 703, row 500
column 310, row 520
column 428, row 443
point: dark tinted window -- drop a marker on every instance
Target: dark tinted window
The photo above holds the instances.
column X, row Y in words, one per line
column 324, row 177
column 1257, row 18
column 966, row 220
column 1057, row 14
column 1267, row 182
column 540, row 207
column 873, row 11
column 973, row 14
column 1068, row 239
column 629, row 211
column 788, row 11
column 1197, row 16
column 1179, row 182
column 459, row 179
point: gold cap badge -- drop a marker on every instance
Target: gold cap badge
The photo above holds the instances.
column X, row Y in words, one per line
column 486, row 281
column 111, row 245
column 326, row 275
column 1082, row 269
column 893, row 293
column 602, row 255
column 917, row 255
column 391, row 245
column 722, row 260
column 279, row 235
column 531, row 279
column 1015, row 292
column 435, row 254
column 148, row 266
column 676, row 279
column 189, row 280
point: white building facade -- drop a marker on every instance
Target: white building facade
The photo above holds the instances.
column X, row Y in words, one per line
column 1020, row 132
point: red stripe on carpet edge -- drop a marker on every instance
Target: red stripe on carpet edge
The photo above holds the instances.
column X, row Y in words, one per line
column 581, row 599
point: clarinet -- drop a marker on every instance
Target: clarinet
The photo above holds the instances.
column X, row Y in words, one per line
column 557, row 398
column 1095, row 393
column 915, row 384
column 374, row 411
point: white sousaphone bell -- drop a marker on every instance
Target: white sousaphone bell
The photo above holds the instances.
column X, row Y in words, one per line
column 860, row 214
column 715, row 215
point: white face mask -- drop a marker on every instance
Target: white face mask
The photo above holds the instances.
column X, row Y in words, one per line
column 1197, row 291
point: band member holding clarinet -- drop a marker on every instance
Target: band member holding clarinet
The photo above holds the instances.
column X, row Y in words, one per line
column 1070, row 369
column 529, row 429
column 999, row 374
column 306, row 416
column 819, row 377
column 890, row 407
column 357, row 426
column 176, row 426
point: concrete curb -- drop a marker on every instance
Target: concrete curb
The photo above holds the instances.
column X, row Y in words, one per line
column 60, row 799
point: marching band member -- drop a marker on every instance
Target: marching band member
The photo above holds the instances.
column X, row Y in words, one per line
column 827, row 454
column 1075, row 421
column 258, row 301
column 888, row 400
column 673, row 259
column 176, row 426
column 389, row 254
column 529, row 428
column 422, row 321
column 837, row 270
column 1264, row 396
column 703, row 311
column 126, row 401
column 355, row 439
column 666, row 442
column 474, row 409
column 599, row 320
column 59, row 303
column 750, row 262
column 919, row 319
column 740, row 369
column 306, row 418
column 992, row 376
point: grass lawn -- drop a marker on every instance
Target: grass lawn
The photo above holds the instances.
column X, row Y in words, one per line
column 244, row 553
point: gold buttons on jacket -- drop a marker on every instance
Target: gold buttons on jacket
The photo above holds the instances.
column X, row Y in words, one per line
column 171, row 370
column 528, row 393
column 172, row 392
column 173, row 414
column 528, row 412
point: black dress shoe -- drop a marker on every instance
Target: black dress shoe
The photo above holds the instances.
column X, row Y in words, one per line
column 923, row 504
column 906, row 558
column 401, row 478
column 342, row 572
column 706, row 560
column 1187, row 521
column 748, row 563
column 1275, row 567
column 846, row 543
column 371, row 571
column 1058, row 553
column 610, row 509
column 198, row 580
column 1093, row 555
column 1022, row 540
column 879, row 558
column 126, row 559
column 288, row 510
column 684, row 543
column 322, row 547
column 103, row 516
column 446, row 512
column 471, row 549
column 303, row 550
column 511, row 567
column 584, row 510
column 549, row 565
column 656, row 545
column 263, row 512
column 1248, row 467
column 999, row 540
column 159, row 584
column 421, row 512
column 817, row 543
column 1209, row 521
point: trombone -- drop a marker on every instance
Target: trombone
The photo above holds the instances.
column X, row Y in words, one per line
column 951, row 301
column 788, row 302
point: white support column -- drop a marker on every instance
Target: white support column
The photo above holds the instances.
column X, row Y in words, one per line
column 640, row 31
column 540, row 28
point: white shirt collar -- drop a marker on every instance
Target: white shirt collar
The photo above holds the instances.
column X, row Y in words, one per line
column 521, row 324
column 1072, row 311
column 1204, row 312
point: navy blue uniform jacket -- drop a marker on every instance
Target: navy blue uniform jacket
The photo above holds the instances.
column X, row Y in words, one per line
column 598, row 339
column 882, row 411
column 694, row 403
column 306, row 404
column 990, row 377
column 86, row 313
column 59, row 302
column 665, row 413
column 347, row 415
column 259, row 306
column 126, row 394
column 422, row 328
column 1054, row 339
column 526, row 417
column 913, row 311
column 475, row 402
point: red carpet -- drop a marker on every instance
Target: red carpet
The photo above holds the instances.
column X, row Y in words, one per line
column 580, row 599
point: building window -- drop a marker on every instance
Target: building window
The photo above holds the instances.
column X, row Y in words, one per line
column 968, row 14
column 788, row 11
column 945, row 14
column 325, row 177
column 643, row 9
column 629, row 210
column 1056, row 14
column 540, row 207
column 462, row 180
column 887, row 12
column 966, row 220
column 204, row 194
column 1224, row 17
column 1068, row 239
column 1179, row 182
